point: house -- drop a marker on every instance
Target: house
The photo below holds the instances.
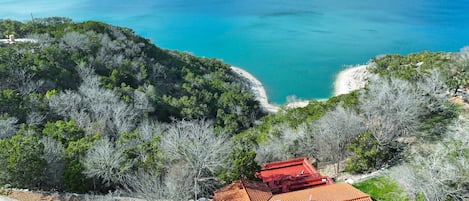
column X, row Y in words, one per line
column 290, row 180
column 291, row 175
column 243, row 191
column 336, row 192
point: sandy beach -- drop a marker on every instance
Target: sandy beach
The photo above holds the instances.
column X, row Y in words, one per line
column 351, row 79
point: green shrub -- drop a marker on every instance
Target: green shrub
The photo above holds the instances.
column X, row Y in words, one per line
column 5, row 191
column 382, row 188
column 22, row 160
column 368, row 154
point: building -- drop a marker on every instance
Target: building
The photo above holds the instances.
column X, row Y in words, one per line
column 291, row 175
column 338, row 191
column 243, row 191
column 290, row 180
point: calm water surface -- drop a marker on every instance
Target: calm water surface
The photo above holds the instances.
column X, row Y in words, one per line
column 295, row 47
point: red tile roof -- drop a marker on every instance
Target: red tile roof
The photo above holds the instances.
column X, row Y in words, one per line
column 290, row 180
column 291, row 167
column 243, row 191
column 335, row 192
column 291, row 175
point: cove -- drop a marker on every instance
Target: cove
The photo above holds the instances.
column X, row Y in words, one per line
column 294, row 47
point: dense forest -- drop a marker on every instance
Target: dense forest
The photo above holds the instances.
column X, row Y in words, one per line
column 90, row 107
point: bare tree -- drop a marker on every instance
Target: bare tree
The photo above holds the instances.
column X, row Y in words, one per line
column 43, row 40
column 438, row 171
column 105, row 104
column 93, row 104
column 74, row 41
column 83, row 119
column 176, row 179
column 406, row 179
column 147, row 185
column 304, row 144
column 148, row 129
column 66, row 103
column 35, row 118
column 197, row 145
column 23, row 80
column 275, row 147
column 8, row 127
column 106, row 162
column 141, row 102
column 334, row 132
column 435, row 90
column 53, row 152
column 392, row 109
column 284, row 143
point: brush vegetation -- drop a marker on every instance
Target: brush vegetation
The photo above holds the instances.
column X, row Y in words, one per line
column 91, row 107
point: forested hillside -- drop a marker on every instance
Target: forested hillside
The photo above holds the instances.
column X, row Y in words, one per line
column 84, row 108
column 90, row 107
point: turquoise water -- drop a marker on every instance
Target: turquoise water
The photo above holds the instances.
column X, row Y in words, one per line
column 295, row 47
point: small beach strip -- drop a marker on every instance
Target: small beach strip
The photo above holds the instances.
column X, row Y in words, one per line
column 351, row 79
column 257, row 88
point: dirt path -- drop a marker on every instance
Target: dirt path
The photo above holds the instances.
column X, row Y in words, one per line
column 329, row 170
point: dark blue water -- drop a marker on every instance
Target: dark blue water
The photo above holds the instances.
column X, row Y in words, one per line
column 295, row 47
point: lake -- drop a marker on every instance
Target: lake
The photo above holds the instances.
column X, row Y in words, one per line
column 294, row 47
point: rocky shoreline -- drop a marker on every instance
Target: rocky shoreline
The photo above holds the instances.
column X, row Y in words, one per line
column 351, row 79
column 258, row 90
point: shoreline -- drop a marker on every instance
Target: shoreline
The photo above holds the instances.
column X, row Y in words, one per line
column 261, row 95
column 351, row 79
column 347, row 80
column 257, row 88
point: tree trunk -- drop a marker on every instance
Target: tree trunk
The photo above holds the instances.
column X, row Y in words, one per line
column 337, row 168
column 195, row 188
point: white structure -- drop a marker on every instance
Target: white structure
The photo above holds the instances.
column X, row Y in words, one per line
column 11, row 39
